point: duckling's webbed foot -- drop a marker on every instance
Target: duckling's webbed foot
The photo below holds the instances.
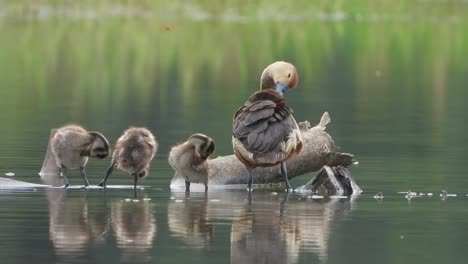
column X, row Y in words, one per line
column 84, row 176
column 109, row 171
column 284, row 172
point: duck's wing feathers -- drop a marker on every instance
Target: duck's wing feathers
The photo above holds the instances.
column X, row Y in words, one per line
column 263, row 125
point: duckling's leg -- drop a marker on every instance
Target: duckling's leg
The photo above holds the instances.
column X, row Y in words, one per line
column 206, row 186
column 64, row 175
column 109, row 171
column 187, row 186
column 249, row 180
column 83, row 175
column 284, row 172
column 135, row 175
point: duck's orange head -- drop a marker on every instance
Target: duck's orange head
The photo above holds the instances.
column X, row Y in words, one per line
column 280, row 76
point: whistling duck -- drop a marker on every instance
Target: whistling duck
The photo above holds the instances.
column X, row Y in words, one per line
column 133, row 153
column 72, row 145
column 264, row 131
column 189, row 159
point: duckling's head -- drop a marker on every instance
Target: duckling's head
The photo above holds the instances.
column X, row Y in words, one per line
column 99, row 147
column 280, row 76
column 204, row 145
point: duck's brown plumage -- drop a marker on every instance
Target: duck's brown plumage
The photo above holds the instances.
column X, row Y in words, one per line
column 264, row 130
column 264, row 125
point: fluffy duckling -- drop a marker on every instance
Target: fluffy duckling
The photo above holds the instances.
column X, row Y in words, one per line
column 71, row 147
column 133, row 153
column 264, row 131
column 189, row 159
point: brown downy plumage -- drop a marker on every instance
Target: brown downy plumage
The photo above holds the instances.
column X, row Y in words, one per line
column 264, row 131
column 133, row 153
column 189, row 159
column 71, row 147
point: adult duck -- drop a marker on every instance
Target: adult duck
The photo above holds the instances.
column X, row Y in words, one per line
column 264, row 131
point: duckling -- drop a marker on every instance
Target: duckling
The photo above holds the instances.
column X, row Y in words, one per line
column 71, row 147
column 133, row 153
column 189, row 159
column 264, row 131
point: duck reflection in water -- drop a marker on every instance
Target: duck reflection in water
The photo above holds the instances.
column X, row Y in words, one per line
column 273, row 229
column 78, row 224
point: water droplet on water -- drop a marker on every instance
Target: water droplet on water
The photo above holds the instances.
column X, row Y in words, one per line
column 378, row 196
column 315, row 197
column 10, row 174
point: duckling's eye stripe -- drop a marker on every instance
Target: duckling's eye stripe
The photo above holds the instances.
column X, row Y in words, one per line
column 100, row 149
column 199, row 137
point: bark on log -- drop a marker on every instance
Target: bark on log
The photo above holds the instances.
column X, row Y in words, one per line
column 319, row 150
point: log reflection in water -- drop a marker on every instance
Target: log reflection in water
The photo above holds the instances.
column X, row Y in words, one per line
column 269, row 229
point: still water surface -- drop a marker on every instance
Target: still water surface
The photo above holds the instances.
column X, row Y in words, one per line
column 393, row 79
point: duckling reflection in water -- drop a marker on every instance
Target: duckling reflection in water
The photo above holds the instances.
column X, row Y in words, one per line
column 189, row 159
column 76, row 225
column 71, row 147
column 135, row 228
column 189, row 222
column 264, row 131
column 133, row 153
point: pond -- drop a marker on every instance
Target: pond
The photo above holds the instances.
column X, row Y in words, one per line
column 392, row 76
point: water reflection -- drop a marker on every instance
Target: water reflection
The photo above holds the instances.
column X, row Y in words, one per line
column 188, row 221
column 80, row 223
column 134, row 225
column 73, row 226
column 269, row 229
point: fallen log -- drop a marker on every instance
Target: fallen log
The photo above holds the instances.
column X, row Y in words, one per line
column 319, row 150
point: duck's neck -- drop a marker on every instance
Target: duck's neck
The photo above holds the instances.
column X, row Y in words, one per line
column 267, row 82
